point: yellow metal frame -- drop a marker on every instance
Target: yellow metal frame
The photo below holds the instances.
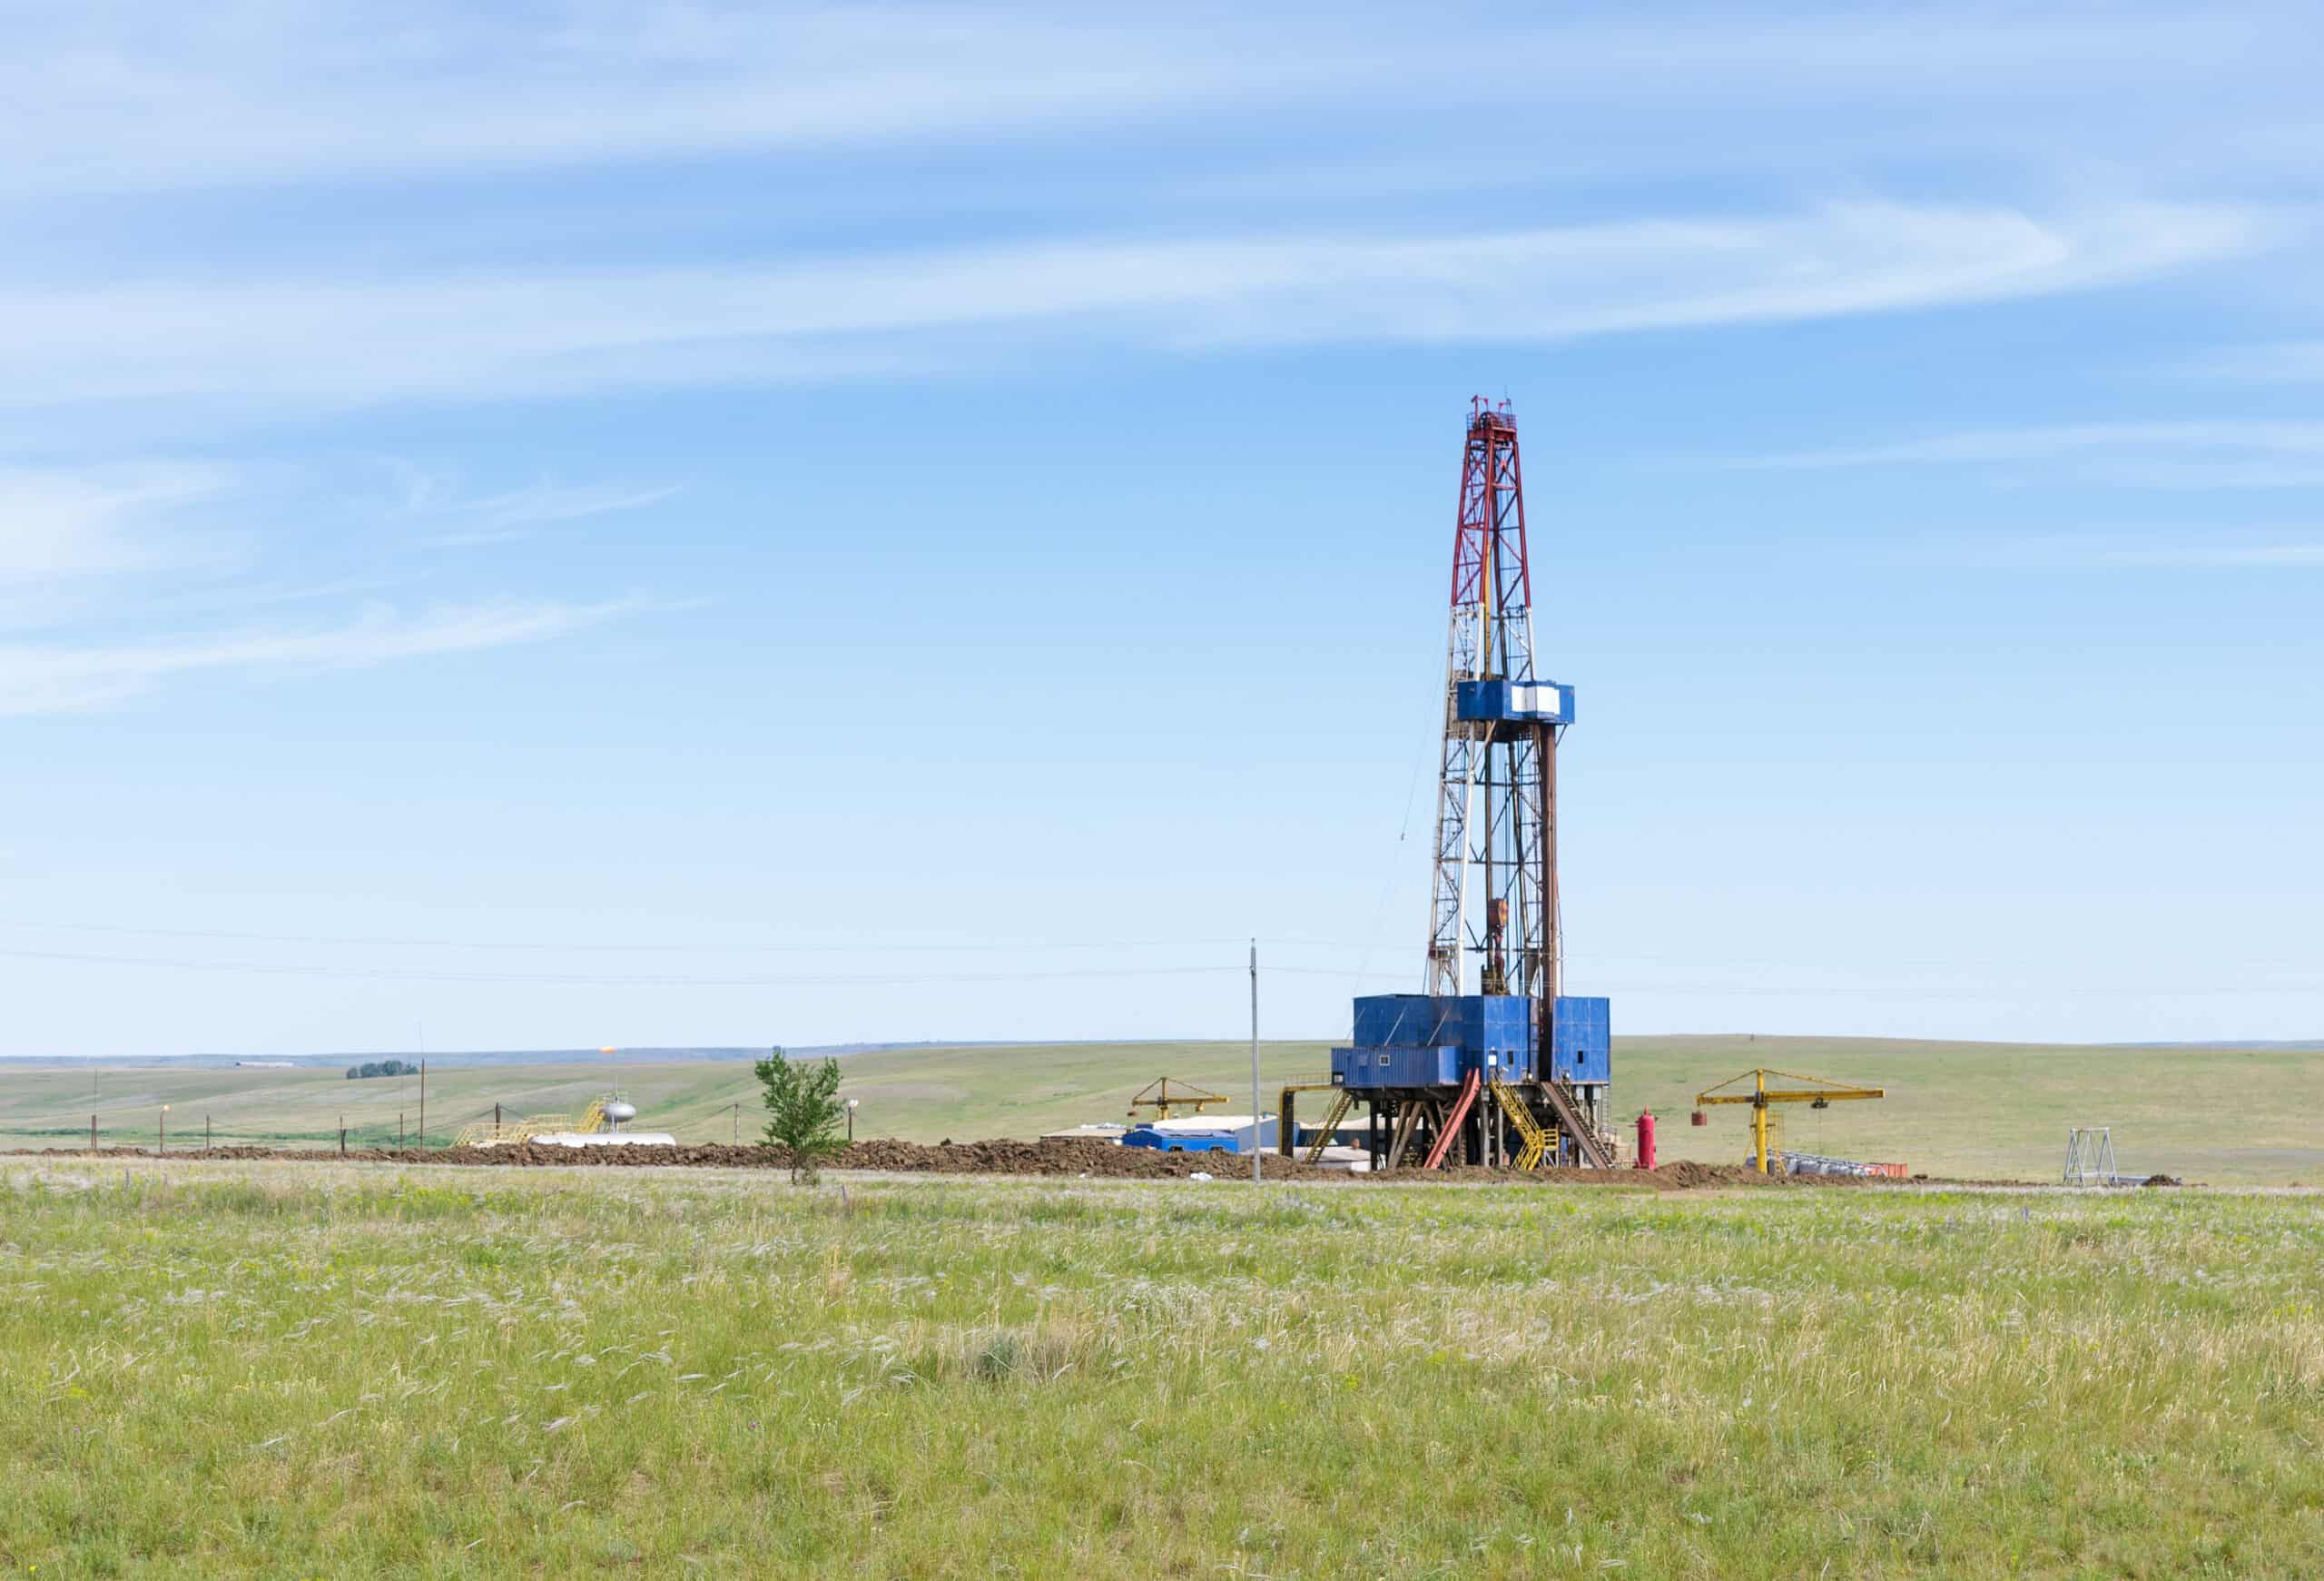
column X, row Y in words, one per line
column 484, row 1133
column 1157, row 1095
column 1761, row 1096
column 1331, row 1123
column 1287, row 1113
column 1537, row 1139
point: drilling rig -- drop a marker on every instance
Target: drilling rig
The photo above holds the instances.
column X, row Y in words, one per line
column 1492, row 1064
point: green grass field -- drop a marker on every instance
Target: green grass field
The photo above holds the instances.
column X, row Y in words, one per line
column 322, row 1370
column 1978, row 1109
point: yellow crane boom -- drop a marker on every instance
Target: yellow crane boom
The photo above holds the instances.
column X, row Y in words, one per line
column 1169, row 1093
column 1818, row 1091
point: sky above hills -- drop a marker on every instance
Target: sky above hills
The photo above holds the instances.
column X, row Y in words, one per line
column 587, row 524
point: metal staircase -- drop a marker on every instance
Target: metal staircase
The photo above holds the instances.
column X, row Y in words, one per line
column 1331, row 1123
column 1571, row 1122
column 1537, row 1141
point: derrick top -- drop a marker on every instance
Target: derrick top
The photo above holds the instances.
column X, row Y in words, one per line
column 1484, row 414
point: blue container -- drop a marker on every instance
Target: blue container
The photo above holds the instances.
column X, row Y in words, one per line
column 1405, row 1020
column 1419, row 1040
column 1397, row 1067
column 1497, row 1033
column 1531, row 702
column 1581, row 1041
column 1179, row 1142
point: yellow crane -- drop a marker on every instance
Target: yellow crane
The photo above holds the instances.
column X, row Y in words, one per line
column 1169, row 1094
column 1817, row 1093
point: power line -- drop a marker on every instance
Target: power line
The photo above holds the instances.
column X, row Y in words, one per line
column 399, row 974
column 370, row 942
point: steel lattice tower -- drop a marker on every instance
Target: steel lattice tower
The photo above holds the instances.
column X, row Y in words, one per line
column 1492, row 1064
column 1495, row 896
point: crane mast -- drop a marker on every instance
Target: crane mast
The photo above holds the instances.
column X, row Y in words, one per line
column 1496, row 812
column 1491, row 1063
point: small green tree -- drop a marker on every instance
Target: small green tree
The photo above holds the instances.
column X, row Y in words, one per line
column 804, row 1113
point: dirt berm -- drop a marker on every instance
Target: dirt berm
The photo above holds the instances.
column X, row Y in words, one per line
column 1066, row 1158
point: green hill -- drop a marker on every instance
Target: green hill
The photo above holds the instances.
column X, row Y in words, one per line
column 2230, row 1115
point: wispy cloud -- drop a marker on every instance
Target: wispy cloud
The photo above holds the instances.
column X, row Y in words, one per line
column 516, row 513
column 2260, row 556
column 2221, row 549
column 2222, row 454
column 2288, row 362
column 94, row 562
column 49, row 678
column 480, row 334
column 275, row 93
column 129, row 97
column 59, row 524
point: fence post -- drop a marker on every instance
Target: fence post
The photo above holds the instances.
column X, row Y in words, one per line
column 342, row 1136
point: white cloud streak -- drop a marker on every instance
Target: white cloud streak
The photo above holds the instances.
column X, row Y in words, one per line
column 50, row 679
column 479, row 335
column 517, row 513
column 262, row 93
column 2260, row 556
column 88, row 555
column 2218, row 550
column 56, row 525
column 2291, row 362
column 119, row 95
column 2216, row 454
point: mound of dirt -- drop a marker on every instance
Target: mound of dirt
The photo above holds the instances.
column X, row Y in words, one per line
column 1072, row 1157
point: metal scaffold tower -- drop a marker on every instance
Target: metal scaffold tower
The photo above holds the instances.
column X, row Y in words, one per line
column 1496, row 810
column 1490, row 1063
column 2090, row 1156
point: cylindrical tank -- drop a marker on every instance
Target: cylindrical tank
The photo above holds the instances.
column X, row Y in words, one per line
column 1646, row 1139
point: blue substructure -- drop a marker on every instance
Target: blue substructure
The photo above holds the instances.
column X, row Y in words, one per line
column 1420, row 1039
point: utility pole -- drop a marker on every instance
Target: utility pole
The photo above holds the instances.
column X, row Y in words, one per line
column 423, row 1100
column 1257, row 1152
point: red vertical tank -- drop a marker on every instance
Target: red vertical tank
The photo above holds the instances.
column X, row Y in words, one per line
column 1646, row 1139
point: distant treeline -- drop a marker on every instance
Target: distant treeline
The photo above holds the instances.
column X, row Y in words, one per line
column 381, row 1068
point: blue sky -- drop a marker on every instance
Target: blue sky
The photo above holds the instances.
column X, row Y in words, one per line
column 575, row 524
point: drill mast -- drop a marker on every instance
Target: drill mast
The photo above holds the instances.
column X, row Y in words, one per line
column 1490, row 1063
column 1496, row 810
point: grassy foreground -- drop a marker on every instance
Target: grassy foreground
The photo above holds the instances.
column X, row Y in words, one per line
column 311, row 1370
